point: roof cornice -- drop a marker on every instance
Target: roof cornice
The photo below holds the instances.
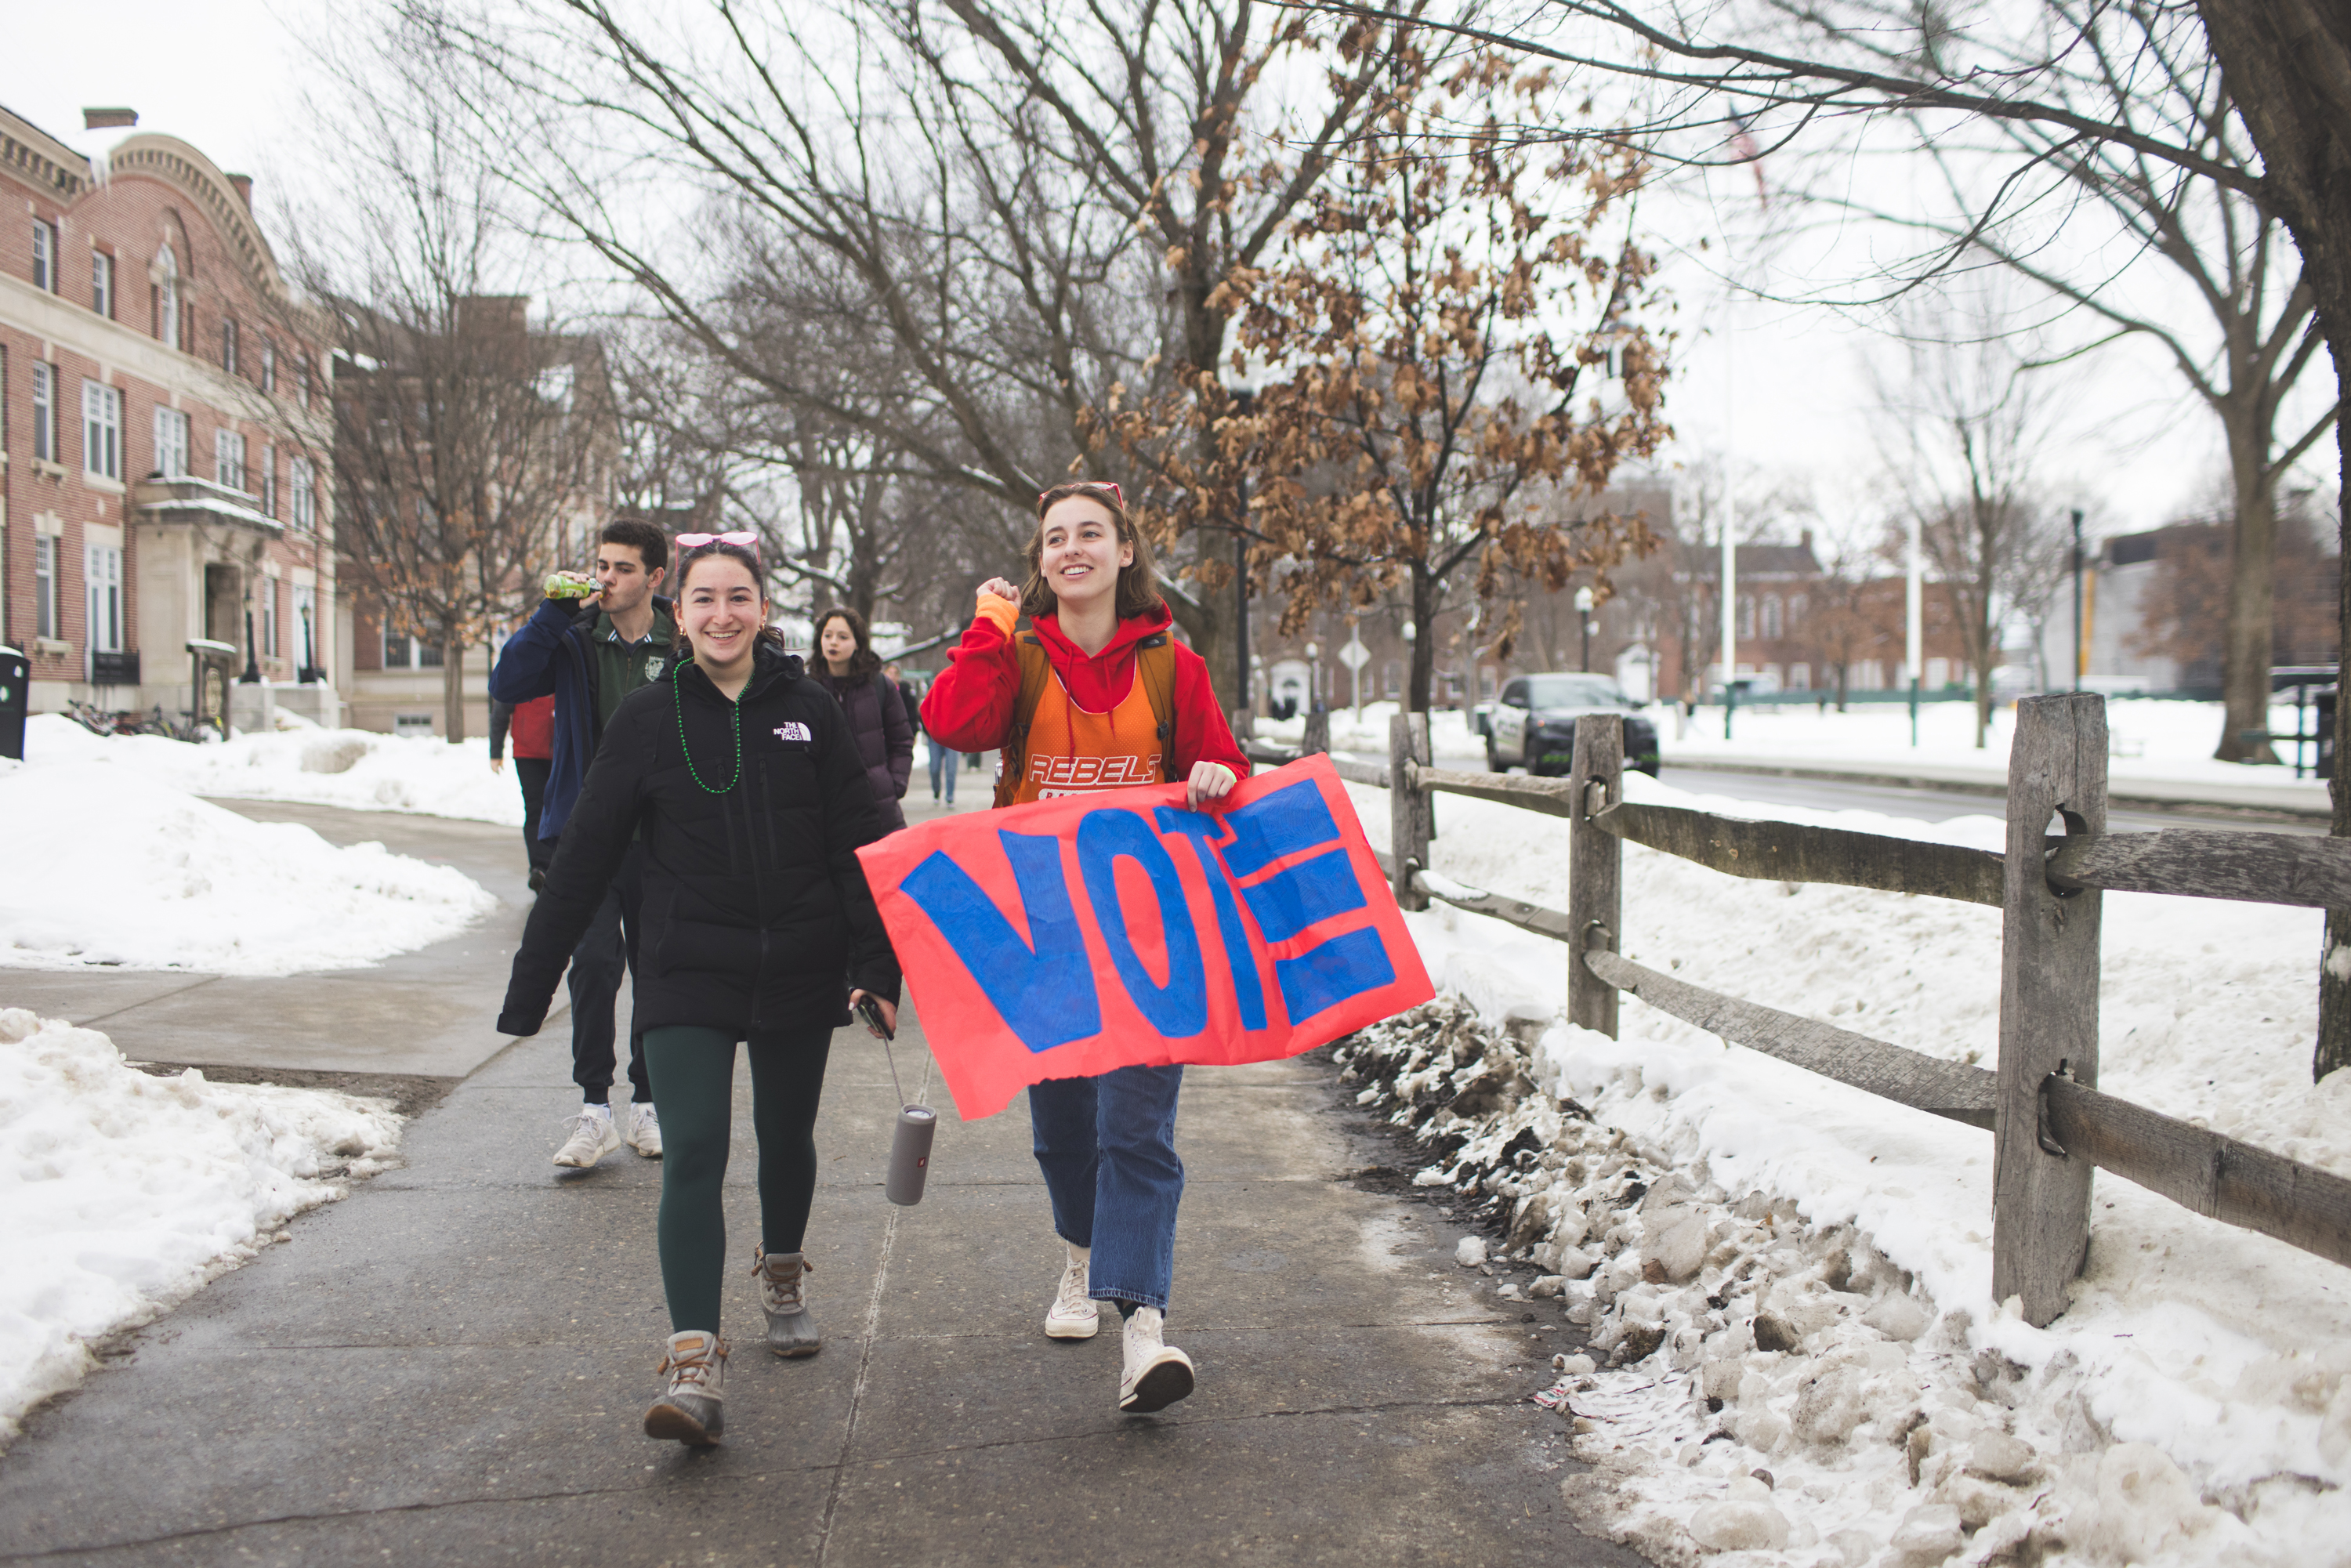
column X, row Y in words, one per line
column 181, row 166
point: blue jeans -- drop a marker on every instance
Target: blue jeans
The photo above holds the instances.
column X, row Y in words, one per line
column 943, row 761
column 1107, row 1146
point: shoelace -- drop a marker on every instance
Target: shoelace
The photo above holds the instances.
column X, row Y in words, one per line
column 1073, row 1287
column 694, row 1366
column 788, row 1297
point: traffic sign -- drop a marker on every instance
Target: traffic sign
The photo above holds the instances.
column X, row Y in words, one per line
column 1354, row 655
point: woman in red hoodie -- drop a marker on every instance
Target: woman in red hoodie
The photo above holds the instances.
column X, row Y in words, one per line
column 1109, row 717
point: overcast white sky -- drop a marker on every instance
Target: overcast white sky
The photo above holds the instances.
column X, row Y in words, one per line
column 227, row 75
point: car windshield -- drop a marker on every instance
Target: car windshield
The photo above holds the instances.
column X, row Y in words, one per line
column 1574, row 690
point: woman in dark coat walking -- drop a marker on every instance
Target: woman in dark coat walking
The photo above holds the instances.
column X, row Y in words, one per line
column 851, row 671
column 743, row 783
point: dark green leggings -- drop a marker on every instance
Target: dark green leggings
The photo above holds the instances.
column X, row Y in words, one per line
column 694, row 1088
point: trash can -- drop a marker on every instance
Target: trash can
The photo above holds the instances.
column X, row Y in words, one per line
column 15, row 699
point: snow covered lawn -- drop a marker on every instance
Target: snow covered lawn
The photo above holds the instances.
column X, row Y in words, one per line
column 1794, row 1278
column 125, row 1192
column 110, row 864
column 355, row 769
column 2151, row 740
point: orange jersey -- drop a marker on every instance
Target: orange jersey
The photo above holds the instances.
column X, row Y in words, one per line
column 1071, row 751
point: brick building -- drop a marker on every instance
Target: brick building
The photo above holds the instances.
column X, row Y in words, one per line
column 164, row 424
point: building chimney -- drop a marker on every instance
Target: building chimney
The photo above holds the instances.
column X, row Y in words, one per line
column 108, row 119
column 244, row 183
column 1808, row 533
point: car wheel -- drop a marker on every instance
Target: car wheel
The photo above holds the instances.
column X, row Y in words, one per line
column 1493, row 757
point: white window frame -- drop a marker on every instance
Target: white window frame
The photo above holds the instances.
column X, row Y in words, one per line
column 101, row 430
column 102, row 578
column 45, row 255
column 268, row 366
column 268, row 480
column 45, row 586
column 101, row 284
column 171, row 442
column 228, row 344
column 45, row 412
column 304, row 501
column 269, row 613
column 228, row 458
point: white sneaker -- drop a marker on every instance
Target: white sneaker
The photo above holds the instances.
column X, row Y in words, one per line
column 1157, row 1375
column 1073, row 1315
column 593, row 1137
column 693, row 1409
column 644, row 1130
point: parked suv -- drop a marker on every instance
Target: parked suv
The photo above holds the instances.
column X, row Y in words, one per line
column 1534, row 723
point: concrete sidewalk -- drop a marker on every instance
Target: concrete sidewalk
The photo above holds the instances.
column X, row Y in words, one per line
column 450, row 1365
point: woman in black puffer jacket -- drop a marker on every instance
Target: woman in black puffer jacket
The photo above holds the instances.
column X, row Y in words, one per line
column 849, row 668
column 742, row 779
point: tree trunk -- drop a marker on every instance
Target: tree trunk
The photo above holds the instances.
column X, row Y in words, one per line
column 2248, row 643
column 452, row 687
column 1840, row 685
column 2288, row 64
column 1424, row 642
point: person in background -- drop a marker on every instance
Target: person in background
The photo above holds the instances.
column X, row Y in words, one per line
column 946, row 761
column 907, row 694
column 847, row 666
column 586, row 654
column 532, row 725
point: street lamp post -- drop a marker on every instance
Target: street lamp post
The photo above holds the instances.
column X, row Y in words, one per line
column 2077, row 598
column 1584, row 608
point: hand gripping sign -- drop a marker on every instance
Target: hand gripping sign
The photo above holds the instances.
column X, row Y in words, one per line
column 1112, row 929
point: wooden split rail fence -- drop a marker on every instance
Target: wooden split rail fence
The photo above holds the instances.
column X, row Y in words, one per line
column 2049, row 1123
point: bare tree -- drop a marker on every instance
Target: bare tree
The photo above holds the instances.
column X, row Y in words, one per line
column 1850, row 617
column 467, row 444
column 1962, row 426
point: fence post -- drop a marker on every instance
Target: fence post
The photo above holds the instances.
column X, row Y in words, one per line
column 1318, row 732
column 1411, row 824
column 2048, row 1002
column 1595, row 861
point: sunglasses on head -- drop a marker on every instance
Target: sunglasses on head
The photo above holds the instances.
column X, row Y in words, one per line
column 1083, row 485
column 743, row 537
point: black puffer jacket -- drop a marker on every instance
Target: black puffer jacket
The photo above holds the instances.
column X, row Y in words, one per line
column 877, row 717
column 757, row 915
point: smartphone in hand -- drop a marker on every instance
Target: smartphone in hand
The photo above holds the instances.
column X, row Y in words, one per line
column 872, row 1013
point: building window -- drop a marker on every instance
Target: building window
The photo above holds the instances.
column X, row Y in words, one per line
column 45, row 257
column 406, row 653
column 1772, row 624
column 44, row 412
column 299, row 480
column 1795, row 614
column 45, row 586
column 1800, row 677
column 1938, row 673
column 167, row 298
column 1747, row 615
column 228, row 458
column 228, row 345
column 268, row 366
column 171, row 442
column 101, row 430
column 101, row 283
column 268, row 609
column 268, row 481
column 302, row 377
column 104, row 578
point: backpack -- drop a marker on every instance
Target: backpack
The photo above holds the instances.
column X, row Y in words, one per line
column 1155, row 666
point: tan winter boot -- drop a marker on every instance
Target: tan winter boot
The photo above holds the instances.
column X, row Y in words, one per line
column 783, row 1296
column 693, row 1410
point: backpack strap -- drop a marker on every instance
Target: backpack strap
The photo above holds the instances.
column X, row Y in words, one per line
column 1155, row 666
column 1036, row 669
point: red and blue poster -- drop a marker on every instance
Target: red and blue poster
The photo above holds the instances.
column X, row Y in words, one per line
column 1074, row 935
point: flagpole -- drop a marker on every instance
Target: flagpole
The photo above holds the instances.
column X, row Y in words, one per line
column 1729, row 508
column 1912, row 596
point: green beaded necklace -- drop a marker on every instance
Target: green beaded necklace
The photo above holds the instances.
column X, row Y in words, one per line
column 735, row 716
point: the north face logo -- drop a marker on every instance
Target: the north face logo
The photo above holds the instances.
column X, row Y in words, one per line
column 793, row 731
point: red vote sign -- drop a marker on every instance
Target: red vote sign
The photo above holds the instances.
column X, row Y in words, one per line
column 1112, row 929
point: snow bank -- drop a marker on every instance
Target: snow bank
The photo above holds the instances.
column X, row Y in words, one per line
column 355, row 769
column 1449, row 735
column 108, row 865
column 125, row 1192
column 1793, row 1277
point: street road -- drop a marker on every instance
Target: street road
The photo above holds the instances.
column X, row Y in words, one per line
column 1930, row 805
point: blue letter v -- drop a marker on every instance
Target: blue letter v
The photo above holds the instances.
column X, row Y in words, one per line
column 1046, row 994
